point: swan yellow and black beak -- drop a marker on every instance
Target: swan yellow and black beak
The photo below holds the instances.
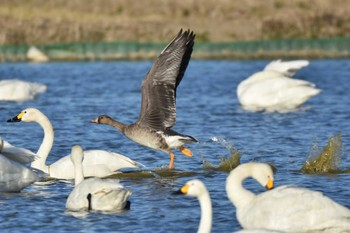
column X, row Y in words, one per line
column 17, row 118
column 269, row 184
column 182, row 190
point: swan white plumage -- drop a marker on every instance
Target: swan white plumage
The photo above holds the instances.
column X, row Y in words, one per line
column 288, row 68
column 94, row 193
column 257, row 231
column 18, row 154
column 14, row 176
column 99, row 163
column 17, row 90
column 286, row 208
column 274, row 89
column 196, row 188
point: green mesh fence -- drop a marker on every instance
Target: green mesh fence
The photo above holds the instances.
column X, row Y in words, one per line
column 335, row 47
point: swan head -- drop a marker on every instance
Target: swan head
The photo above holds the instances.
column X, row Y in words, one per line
column 27, row 115
column 193, row 188
column 103, row 119
column 77, row 154
column 263, row 173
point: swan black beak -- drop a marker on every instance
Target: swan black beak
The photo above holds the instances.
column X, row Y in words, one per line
column 182, row 190
column 178, row 192
column 14, row 119
column 89, row 201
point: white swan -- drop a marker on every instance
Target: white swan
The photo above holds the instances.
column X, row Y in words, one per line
column 286, row 208
column 94, row 193
column 97, row 163
column 196, row 188
column 274, row 89
column 14, row 176
column 17, row 90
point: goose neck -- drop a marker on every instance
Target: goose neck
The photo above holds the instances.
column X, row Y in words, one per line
column 117, row 124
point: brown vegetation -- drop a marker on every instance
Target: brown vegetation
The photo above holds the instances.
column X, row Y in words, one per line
column 58, row 21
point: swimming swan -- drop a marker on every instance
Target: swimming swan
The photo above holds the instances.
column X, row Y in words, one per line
column 14, row 176
column 97, row 163
column 286, row 208
column 94, row 193
column 274, row 89
column 17, row 90
column 196, row 188
column 158, row 104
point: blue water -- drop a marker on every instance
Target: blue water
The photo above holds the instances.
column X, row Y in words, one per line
column 207, row 108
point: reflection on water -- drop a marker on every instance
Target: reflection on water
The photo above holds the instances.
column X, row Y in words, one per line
column 325, row 161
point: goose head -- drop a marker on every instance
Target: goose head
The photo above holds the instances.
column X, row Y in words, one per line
column 103, row 119
column 27, row 115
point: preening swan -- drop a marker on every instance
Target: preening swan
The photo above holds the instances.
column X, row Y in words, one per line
column 158, row 105
column 14, row 176
column 196, row 188
column 95, row 193
column 274, row 89
column 17, row 90
column 286, row 208
column 97, row 163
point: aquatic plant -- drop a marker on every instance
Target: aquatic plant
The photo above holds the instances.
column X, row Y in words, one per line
column 227, row 163
column 326, row 161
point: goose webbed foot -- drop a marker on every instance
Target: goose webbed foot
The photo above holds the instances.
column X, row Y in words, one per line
column 186, row 151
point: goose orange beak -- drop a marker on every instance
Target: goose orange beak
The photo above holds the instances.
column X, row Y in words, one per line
column 94, row 121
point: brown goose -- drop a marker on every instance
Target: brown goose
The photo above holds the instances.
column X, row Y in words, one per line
column 158, row 106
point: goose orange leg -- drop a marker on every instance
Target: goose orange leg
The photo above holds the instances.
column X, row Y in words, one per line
column 172, row 158
column 185, row 151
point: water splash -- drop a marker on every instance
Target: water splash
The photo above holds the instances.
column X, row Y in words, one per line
column 326, row 161
column 227, row 163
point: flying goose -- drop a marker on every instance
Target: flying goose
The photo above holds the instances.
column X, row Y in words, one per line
column 158, row 105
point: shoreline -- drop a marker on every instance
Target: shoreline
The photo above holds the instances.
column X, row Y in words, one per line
column 266, row 49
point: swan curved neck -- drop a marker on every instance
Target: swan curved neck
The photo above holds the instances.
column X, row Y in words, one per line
column 206, row 214
column 78, row 173
column 237, row 194
column 46, row 144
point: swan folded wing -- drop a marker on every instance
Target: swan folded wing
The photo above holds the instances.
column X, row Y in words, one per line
column 288, row 68
column 127, row 162
column 17, row 154
column 158, row 107
column 110, row 199
column 111, row 159
column 14, row 176
column 287, row 207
